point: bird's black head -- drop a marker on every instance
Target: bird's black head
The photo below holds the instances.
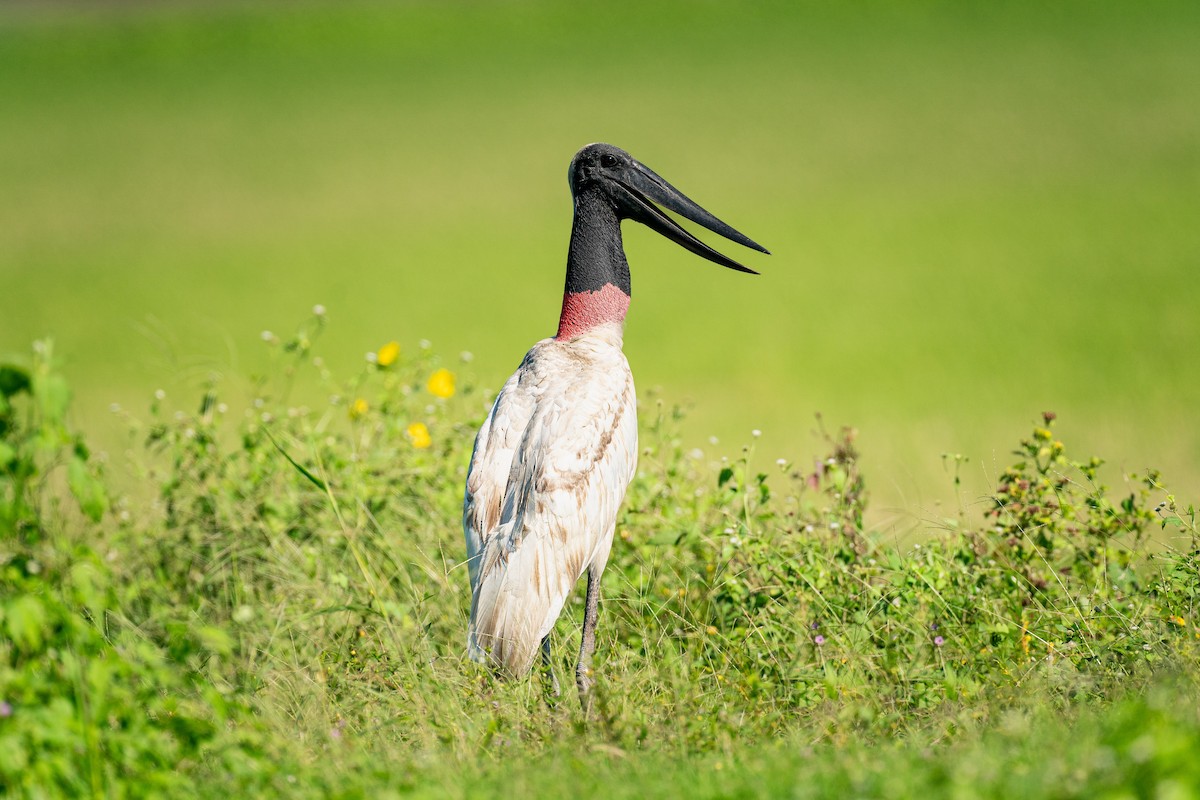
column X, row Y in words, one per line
column 596, row 166
column 633, row 190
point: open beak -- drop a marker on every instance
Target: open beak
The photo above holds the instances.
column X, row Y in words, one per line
column 645, row 188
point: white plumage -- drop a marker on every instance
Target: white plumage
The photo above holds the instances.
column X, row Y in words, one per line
column 549, row 471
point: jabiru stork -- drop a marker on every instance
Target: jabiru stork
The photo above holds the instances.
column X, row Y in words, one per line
column 554, row 458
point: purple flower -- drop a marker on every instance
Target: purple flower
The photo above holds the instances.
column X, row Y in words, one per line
column 5, row 709
column 818, row 640
column 813, row 625
column 938, row 641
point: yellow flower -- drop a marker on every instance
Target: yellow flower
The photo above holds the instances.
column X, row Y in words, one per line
column 419, row 435
column 388, row 354
column 1177, row 620
column 441, row 383
column 358, row 408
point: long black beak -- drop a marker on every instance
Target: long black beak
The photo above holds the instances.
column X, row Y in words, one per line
column 645, row 188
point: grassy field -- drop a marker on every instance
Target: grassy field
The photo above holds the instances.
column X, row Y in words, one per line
column 977, row 212
column 251, row 584
column 287, row 618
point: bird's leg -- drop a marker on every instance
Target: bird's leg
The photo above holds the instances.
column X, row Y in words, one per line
column 587, row 643
column 548, row 668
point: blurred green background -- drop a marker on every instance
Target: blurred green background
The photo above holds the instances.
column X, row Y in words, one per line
column 978, row 211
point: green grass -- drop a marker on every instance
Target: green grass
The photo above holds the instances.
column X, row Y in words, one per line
column 286, row 617
column 978, row 212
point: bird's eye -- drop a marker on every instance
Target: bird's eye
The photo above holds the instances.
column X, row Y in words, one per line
column 608, row 160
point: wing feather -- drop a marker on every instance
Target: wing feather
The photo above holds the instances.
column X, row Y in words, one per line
column 491, row 462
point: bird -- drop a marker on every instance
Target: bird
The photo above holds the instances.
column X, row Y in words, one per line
column 554, row 457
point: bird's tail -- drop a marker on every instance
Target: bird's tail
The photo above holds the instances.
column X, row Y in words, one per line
column 514, row 605
column 502, row 639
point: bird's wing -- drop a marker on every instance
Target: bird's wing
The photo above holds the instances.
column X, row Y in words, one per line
column 491, row 462
column 568, row 477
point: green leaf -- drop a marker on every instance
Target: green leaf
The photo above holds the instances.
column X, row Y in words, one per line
column 837, row 478
column 14, row 756
column 25, row 622
column 12, row 380
column 88, row 581
column 214, row 640
column 93, row 500
column 53, row 397
column 8, row 454
column 320, row 484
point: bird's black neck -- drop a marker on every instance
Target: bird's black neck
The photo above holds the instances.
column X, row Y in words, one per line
column 596, row 256
column 597, row 290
